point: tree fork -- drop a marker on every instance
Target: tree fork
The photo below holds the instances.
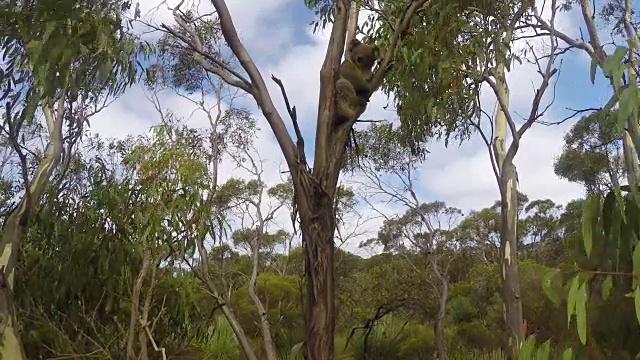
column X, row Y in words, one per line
column 315, row 189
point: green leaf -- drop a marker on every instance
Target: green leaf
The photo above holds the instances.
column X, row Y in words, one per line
column 581, row 312
column 636, row 301
column 571, row 299
column 619, row 54
column 636, row 261
column 594, row 66
column 544, row 350
column 567, row 354
column 527, row 348
column 591, row 208
column 628, row 102
column 550, row 283
column 613, row 62
column 51, row 25
column 607, row 285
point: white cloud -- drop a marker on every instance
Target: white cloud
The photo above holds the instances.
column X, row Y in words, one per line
column 461, row 177
column 464, row 178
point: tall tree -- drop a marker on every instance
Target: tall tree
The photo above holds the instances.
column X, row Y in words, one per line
column 592, row 153
column 436, row 94
column 64, row 59
column 314, row 187
column 424, row 228
column 502, row 154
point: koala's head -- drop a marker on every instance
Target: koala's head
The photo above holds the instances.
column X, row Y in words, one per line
column 363, row 55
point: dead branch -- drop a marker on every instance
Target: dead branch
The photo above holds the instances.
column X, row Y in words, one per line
column 381, row 312
column 294, row 119
column 161, row 350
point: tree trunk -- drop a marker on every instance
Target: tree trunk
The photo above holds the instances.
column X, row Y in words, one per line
column 267, row 339
column 318, row 227
column 226, row 311
column 143, row 337
column 506, row 177
column 441, row 317
column 134, row 321
column 15, row 230
column 510, row 290
column 443, row 286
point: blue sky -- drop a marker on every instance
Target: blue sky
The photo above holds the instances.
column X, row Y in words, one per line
column 278, row 37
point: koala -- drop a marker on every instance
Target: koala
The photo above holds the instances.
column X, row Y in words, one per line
column 352, row 88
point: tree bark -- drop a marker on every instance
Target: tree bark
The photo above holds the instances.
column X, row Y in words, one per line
column 318, row 226
column 510, row 289
column 506, row 177
column 143, row 337
column 14, row 232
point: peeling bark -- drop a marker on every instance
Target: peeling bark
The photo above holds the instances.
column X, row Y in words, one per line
column 318, row 227
column 510, row 289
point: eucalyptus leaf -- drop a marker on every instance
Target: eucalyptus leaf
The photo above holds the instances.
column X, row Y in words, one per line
column 544, row 351
column 571, row 298
column 590, row 213
column 581, row 312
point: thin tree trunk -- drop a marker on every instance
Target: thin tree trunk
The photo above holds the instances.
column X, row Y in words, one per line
column 15, row 229
column 135, row 303
column 14, row 232
column 226, row 311
column 440, row 319
column 352, row 25
column 146, row 309
column 267, row 339
column 442, row 313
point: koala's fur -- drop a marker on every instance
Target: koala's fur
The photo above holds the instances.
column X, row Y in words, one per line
column 352, row 88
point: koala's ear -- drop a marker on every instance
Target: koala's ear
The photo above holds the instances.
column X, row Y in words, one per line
column 352, row 44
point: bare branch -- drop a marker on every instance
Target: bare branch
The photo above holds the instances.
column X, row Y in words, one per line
column 547, row 73
column 294, row 119
column 260, row 92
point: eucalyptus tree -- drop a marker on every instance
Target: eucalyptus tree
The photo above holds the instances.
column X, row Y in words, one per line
column 423, row 230
column 436, row 88
column 592, row 153
column 257, row 212
column 64, row 59
column 315, row 186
